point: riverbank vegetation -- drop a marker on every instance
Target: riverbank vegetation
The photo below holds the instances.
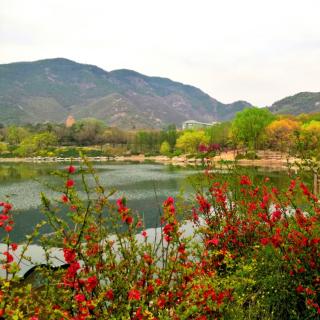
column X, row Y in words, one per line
column 252, row 129
column 254, row 253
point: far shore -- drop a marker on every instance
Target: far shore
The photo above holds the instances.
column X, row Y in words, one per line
column 269, row 159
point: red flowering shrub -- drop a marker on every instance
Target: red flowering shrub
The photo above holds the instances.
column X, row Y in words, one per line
column 254, row 253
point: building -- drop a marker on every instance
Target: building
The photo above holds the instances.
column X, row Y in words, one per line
column 193, row 124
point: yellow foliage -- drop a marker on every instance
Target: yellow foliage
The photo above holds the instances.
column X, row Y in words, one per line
column 280, row 133
column 189, row 141
column 310, row 134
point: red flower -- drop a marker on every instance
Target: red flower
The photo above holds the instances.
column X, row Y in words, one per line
column 134, row 294
column 161, row 302
column 14, row 246
column 69, row 183
column 9, row 256
column 109, row 294
column 128, row 220
column 245, row 180
column 80, row 297
column 122, row 209
column 195, row 216
column 150, row 288
column 214, row 241
column 300, row 288
column 202, row 148
column 144, row 233
column 92, row 282
column 147, row 258
column 6, row 207
column 8, row 228
column 276, row 215
column 264, row 241
column 69, row 255
column 71, row 169
column 182, row 248
column 203, row 203
column 73, row 268
column 169, row 201
column 168, row 229
column 64, row 198
column 121, row 202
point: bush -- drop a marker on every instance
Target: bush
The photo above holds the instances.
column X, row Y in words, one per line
column 254, row 254
column 177, row 153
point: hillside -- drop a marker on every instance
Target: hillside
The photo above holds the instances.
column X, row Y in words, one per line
column 303, row 102
column 50, row 90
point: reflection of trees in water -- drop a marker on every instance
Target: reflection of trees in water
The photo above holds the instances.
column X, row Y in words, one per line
column 20, row 171
column 9, row 174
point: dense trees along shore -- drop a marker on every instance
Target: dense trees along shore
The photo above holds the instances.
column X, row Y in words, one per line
column 251, row 130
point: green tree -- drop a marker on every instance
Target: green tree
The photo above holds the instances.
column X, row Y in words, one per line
column 219, row 133
column 26, row 148
column 3, row 147
column 147, row 141
column 44, row 140
column 249, row 126
column 171, row 136
column 88, row 131
column 165, row 148
column 189, row 141
column 310, row 137
column 15, row 135
column 32, row 145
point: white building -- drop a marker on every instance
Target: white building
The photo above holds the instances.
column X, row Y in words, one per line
column 193, row 124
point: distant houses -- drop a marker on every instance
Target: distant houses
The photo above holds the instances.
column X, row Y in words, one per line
column 193, row 124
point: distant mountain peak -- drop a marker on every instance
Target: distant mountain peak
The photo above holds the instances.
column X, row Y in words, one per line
column 52, row 89
column 302, row 102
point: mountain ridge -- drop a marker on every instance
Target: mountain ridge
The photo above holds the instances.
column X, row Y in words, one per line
column 51, row 89
column 302, row 102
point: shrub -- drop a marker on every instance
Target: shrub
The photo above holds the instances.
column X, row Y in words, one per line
column 254, row 254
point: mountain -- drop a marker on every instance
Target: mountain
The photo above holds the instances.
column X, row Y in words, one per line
column 303, row 102
column 52, row 89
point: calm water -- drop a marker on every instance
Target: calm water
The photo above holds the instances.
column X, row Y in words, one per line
column 144, row 185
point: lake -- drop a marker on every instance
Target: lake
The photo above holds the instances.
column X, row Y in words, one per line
column 145, row 185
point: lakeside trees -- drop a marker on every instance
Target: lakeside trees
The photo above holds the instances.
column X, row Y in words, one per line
column 249, row 126
column 281, row 134
column 252, row 129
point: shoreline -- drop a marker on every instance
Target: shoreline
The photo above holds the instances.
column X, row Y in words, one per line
column 266, row 159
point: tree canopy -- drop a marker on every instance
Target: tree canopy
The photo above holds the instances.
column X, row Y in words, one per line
column 249, row 126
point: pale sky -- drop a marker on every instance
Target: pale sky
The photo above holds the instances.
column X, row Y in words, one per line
column 254, row 50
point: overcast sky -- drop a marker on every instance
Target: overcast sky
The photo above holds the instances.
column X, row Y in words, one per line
column 253, row 50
